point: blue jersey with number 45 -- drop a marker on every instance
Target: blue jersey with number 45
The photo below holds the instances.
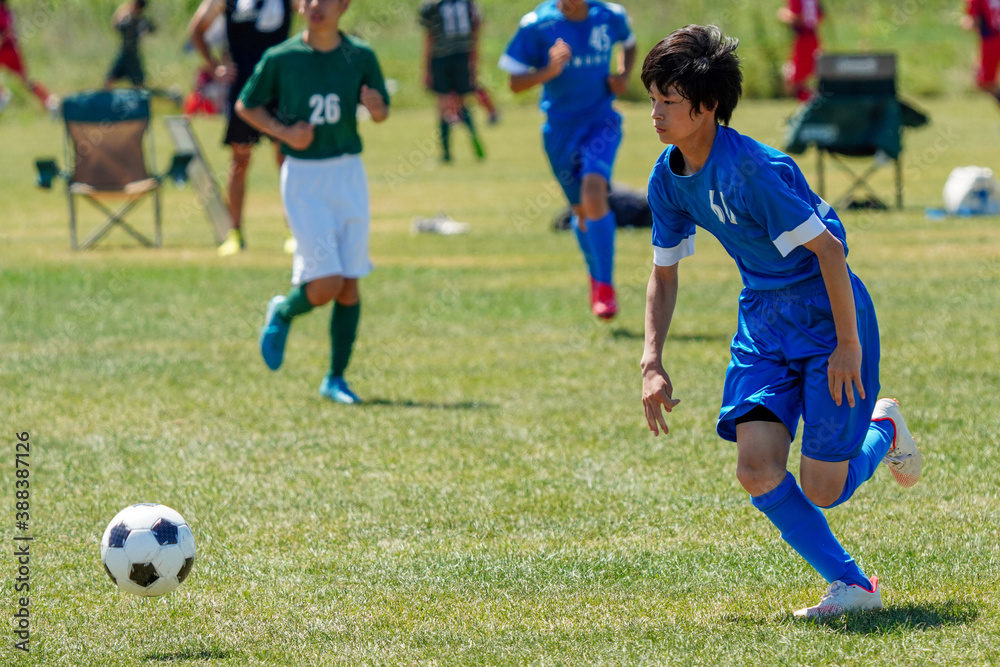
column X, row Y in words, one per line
column 581, row 90
column 751, row 197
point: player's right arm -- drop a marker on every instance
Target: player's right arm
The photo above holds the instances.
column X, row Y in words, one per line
column 657, row 391
column 260, row 91
column 207, row 11
column 477, row 23
column 970, row 19
column 298, row 136
column 122, row 13
column 559, row 55
column 425, row 16
column 428, row 49
column 530, row 58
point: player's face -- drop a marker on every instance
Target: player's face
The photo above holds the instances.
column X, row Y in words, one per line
column 573, row 9
column 672, row 118
column 323, row 13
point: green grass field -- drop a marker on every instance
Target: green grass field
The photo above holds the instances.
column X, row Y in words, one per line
column 498, row 501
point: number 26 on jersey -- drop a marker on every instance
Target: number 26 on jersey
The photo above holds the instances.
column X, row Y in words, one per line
column 325, row 109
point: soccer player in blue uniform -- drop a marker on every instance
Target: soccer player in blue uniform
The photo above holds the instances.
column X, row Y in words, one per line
column 566, row 46
column 807, row 340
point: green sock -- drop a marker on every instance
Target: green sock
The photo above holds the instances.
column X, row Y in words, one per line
column 343, row 331
column 296, row 303
column 445, row 139
column 477, row 146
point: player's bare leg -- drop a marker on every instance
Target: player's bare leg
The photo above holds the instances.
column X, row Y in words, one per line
column 483, row 97
column 236, row 189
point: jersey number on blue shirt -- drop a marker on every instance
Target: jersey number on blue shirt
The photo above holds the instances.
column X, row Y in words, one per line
column 722, row 211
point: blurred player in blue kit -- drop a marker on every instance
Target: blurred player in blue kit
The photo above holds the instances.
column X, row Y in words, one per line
column 807, row 342
column 566, row 46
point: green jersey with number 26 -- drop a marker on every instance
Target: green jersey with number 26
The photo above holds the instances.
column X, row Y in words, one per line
column 298, row 83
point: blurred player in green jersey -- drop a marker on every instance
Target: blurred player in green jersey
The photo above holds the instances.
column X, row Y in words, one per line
column 314, row 82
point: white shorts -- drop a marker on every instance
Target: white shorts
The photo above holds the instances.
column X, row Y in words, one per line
column 326, row 202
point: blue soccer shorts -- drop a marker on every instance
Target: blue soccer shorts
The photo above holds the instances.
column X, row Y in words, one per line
column 779, row 360
column 586, row 146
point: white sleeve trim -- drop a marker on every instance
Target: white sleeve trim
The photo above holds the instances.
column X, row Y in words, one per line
column 630, row 42
column 670, row 256
column 804, row 233
column 512, row 66
column 823, row 207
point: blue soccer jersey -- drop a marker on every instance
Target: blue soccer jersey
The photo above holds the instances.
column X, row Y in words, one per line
column 751, row 197
column 581, row 89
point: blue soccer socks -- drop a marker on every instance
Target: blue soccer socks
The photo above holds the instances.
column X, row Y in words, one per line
column 583, row 240
column 862, row 467
column 805, row 529
column 598, row 247
column 601, row 233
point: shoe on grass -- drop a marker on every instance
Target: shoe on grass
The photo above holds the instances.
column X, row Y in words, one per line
column 843, row 598
column 273, row 334
column 232, row 244
column 903, row 458
column 602, row 300
column 336, row 389
column 54, row 106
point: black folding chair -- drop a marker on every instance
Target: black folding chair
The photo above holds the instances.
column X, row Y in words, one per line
column 855, row 114
column 107, row 140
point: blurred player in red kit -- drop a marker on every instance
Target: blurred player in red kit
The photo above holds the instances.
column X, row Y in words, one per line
column 803, row 17
column 10, row 57
column 984, row 17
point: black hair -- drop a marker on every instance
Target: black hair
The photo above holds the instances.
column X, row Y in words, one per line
column 701, row 63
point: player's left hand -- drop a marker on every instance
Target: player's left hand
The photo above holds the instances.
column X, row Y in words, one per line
column 372, row 99
column 844, row 373
column 618, row 83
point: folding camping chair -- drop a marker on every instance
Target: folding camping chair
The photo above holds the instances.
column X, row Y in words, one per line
column 106, row 142
column 855, row 113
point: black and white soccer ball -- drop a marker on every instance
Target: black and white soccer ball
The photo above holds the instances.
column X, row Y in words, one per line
column 148, row 549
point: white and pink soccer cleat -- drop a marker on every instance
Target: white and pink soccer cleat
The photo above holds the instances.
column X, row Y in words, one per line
column 842, row 598
column 903, row 458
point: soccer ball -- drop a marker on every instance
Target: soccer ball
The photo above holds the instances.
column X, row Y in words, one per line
column 148, row 549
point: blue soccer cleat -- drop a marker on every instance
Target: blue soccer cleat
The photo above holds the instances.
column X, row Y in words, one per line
column 336, row 389
column 273, row 334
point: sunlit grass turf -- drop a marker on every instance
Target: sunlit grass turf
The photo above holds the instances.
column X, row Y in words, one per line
column 499, row 500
